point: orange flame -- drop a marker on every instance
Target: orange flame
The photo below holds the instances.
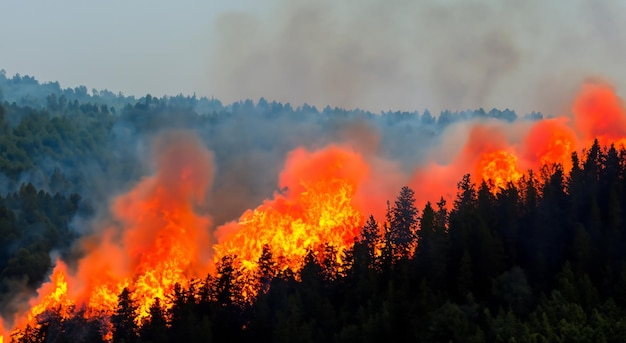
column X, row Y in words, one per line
column 498, row 168
column 494, row 163
column 51, row 295
column 599, row 113
column 503, row 153
column 54, row 294
column 161, row 240
column 164, row 240
column 550, row 141
column 315, row 208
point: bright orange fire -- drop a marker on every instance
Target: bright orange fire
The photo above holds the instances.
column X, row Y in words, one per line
column 599, row 113
column 494, row 163
column 493, row 153
column 55, row 294
column 498, row 168
column 316, row 207
column 550, row 141
column 51, row 295
column 163, row 239
column 158, row 238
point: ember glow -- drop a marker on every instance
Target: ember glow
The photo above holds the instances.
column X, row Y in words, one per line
column 159, row 235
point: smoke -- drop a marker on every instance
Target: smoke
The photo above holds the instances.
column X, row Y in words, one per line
column 450, row 54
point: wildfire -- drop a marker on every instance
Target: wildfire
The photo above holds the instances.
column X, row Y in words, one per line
column 550, row 141
column 316, row 208
column 495, row 162
column 55, row 293
column 600, row 114
column 159, row 239
column 498, row 168
column 158, row 235
column 51, row 295
column 164, row 239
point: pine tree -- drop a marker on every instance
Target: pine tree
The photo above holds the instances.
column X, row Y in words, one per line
column 154, row 329
column 403, row 220
column 427, row 226
column 267, row 269
column 372, row 241
column 123, row 320
column 227, row 287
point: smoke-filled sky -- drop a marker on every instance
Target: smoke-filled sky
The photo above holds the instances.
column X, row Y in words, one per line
column 374, row 54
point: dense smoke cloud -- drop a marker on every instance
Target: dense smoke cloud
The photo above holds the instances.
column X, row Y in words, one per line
column 381, row 55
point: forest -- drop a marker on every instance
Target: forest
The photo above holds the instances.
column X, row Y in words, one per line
column 541, row 259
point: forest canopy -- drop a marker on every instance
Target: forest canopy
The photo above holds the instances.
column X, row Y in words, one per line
column 538, row 257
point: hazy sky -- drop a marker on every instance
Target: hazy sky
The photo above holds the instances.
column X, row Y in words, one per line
column 371, row 54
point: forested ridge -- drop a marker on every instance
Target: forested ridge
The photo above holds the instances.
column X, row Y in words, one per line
column 541, row 260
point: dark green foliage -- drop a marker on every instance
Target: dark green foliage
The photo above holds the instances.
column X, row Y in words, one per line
column 32, row 224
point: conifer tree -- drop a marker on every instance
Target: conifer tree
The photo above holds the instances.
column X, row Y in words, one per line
column 123, row 320
column 403, row 220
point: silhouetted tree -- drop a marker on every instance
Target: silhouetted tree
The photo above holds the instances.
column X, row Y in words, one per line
column 125, row 328
column 371, row 239
column 154, row 328
column 267, row 269
column 403, row 220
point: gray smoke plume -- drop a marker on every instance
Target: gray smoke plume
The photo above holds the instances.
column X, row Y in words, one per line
column 447, row 54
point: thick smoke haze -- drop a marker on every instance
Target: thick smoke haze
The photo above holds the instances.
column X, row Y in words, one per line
column 375, row 55
column 380, row 55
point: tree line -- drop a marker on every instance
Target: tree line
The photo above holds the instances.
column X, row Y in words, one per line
column 541, row 260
